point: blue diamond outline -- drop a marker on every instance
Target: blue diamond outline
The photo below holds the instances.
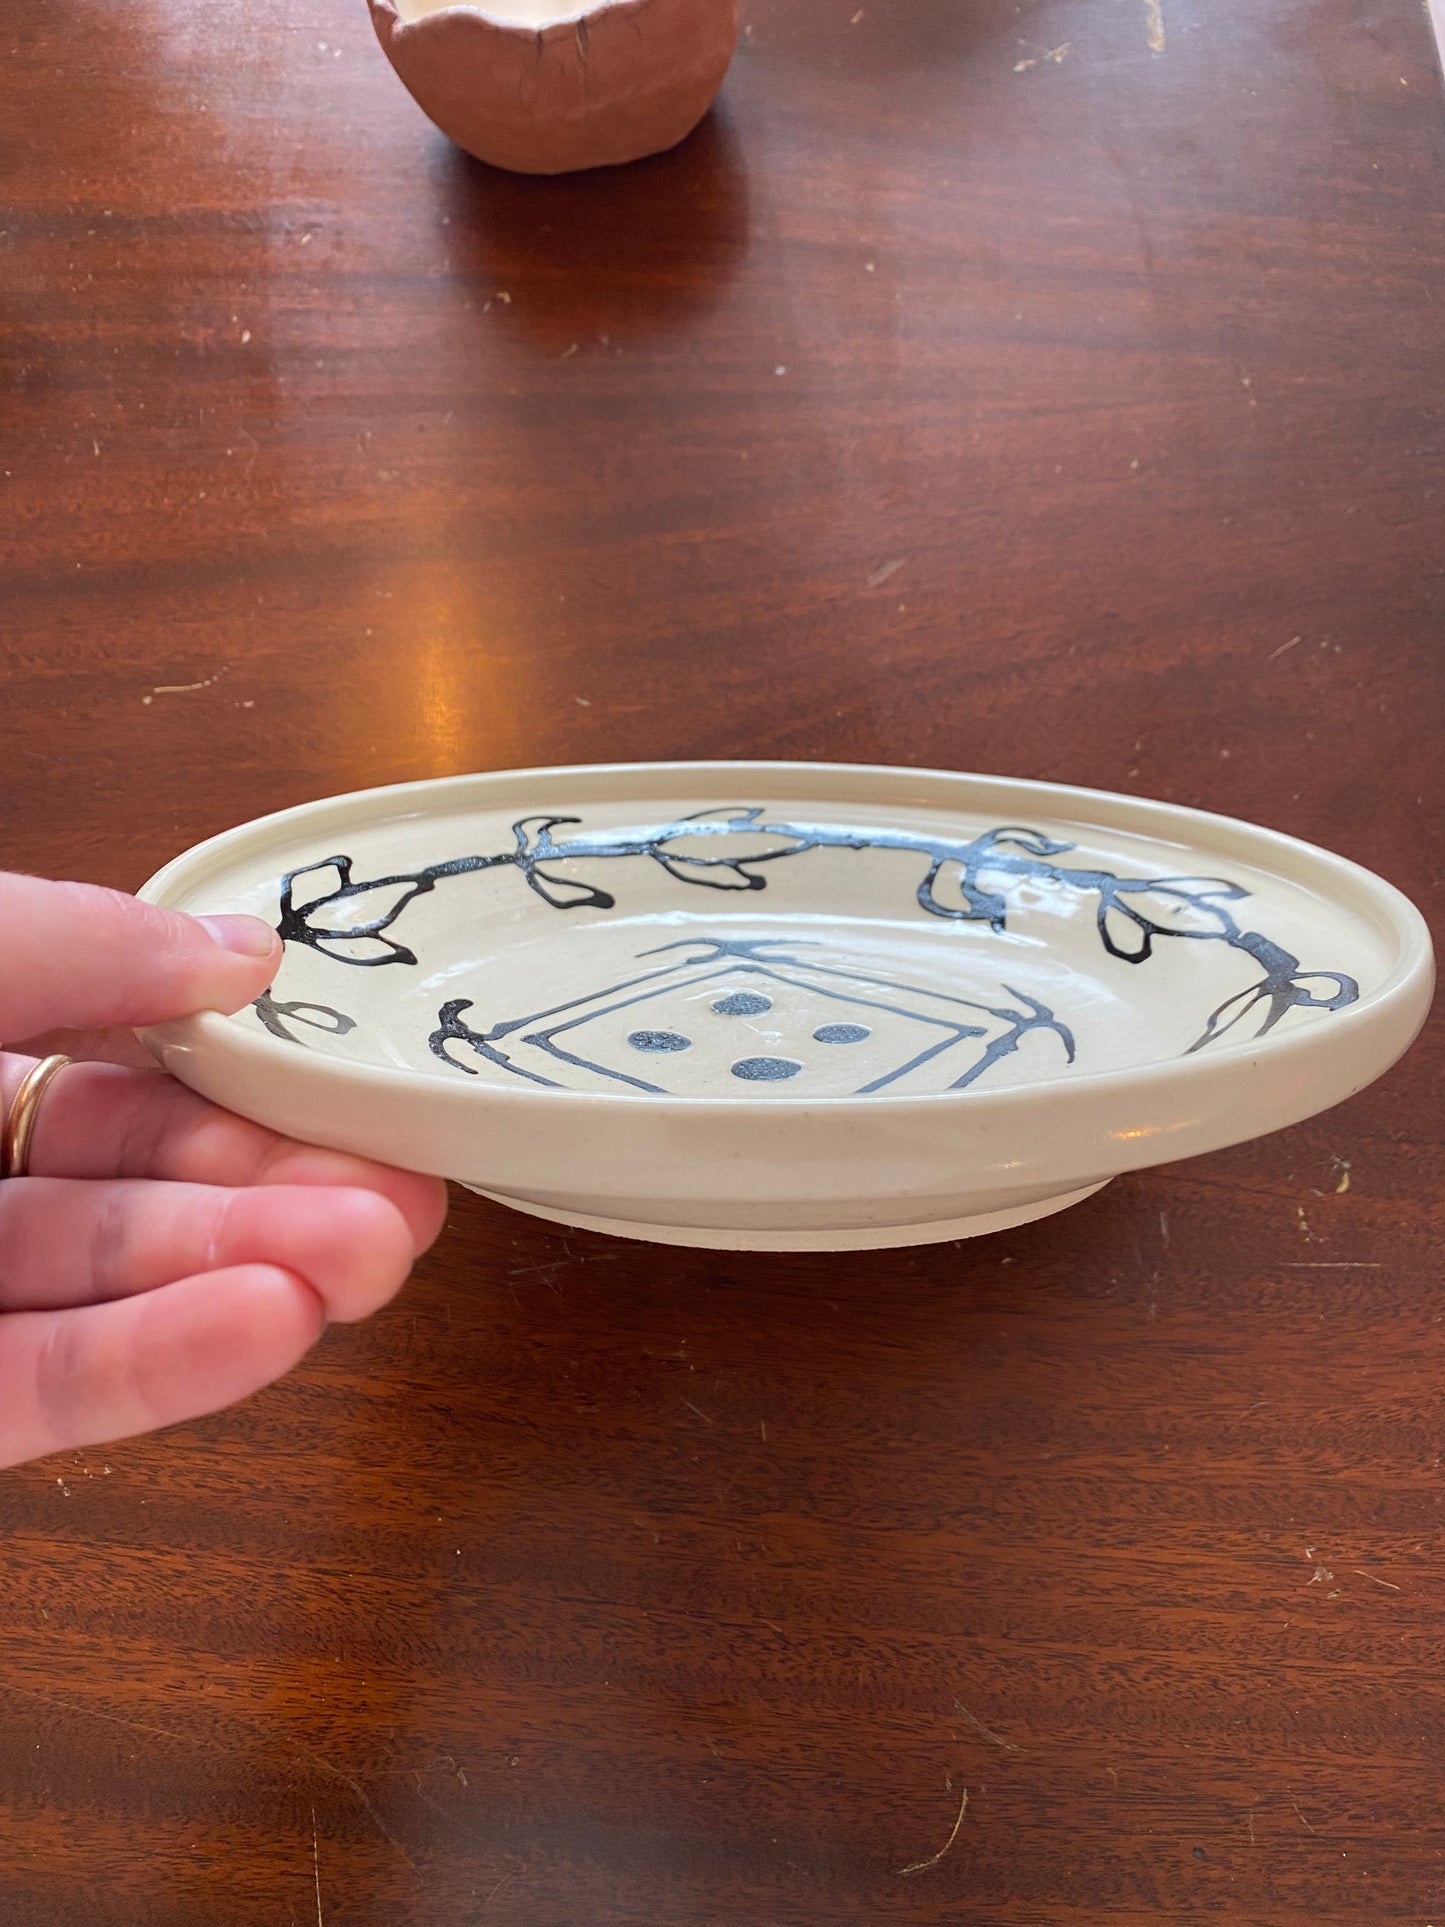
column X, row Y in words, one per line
column 957, row 1033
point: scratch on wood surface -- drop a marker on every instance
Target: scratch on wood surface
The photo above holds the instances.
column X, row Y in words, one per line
column 66, row 1704
column 1248, row 1412
column 185, row 688
column 354, row 1787
column 922, row 1866
column 1388, row 1584
column 316, row 1869
column 698, row 1409
column 987, row 1731
column 1285, row 647
column 880, row 576
column 1154, row 24
column 426, row 1798
column 1299, row 1810
column 1338, row 1264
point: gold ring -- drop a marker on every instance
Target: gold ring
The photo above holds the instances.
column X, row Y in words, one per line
column 20, row 1123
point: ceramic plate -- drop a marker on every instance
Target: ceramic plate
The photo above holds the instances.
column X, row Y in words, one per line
column 791, row 1005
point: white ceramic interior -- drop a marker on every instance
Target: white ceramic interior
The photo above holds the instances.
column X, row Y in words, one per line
column 791, row 1005
column 511, row 13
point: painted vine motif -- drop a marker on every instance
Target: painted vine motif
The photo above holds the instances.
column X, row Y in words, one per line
column 962, row 881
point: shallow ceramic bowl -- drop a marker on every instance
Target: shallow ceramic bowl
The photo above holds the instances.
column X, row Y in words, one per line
column 791, row 1006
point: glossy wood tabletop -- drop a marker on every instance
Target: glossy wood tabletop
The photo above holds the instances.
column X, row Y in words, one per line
column 1052, row 390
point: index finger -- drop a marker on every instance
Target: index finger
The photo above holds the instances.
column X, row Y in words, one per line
column 85, row 957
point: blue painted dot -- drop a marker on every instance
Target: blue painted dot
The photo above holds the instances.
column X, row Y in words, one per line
column 841, row 1034
column 766, row 1070
column 660, row 1040
column 743, row 1003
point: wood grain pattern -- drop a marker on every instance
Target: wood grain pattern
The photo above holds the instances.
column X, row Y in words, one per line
column 593, row 1583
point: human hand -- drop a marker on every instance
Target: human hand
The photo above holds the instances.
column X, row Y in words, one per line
column 162, row 1258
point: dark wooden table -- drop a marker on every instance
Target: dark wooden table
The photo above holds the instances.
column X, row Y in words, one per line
column 1048, row 389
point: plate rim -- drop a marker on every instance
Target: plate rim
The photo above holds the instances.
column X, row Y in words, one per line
column 1409, row 982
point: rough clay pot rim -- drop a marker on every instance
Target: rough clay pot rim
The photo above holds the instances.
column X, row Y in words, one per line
column 1411, row 978
column 533, row 31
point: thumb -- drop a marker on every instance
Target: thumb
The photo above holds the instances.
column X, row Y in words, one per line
column 75, row 956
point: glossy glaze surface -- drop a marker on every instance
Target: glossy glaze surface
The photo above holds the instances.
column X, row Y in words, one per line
column 976, row 1000
column 618, row 901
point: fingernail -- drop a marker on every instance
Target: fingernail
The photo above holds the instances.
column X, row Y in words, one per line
column 247, row 936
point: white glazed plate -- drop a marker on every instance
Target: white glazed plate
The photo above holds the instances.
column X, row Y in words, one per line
column 791, row 1006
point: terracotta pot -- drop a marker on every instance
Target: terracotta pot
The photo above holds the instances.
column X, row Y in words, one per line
column 537, row 94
